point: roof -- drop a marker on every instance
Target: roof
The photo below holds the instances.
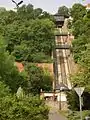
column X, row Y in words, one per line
column 59, row 18
column 61, row 86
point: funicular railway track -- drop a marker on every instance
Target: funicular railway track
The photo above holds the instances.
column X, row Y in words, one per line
column 63, row 65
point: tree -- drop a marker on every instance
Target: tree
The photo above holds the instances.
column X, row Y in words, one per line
column 73, row 100
column 26, row 12
column 2, row 9
column 30, row 28
column 78, row 28
column 13, row 108
column 79, row 46
column 4, row 90
column 28, row 38
column 37, row 12
column 27, row 108
column 47, row 81
column 78, row 11
column 8, row 72
column 63, row 11
column 81, row 50
column 37, row 79
column 40, row 57
column 46, row 15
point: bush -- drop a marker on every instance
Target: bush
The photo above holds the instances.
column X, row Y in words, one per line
column 26, row 108
column 40, row 57
column 73, row 100
column 75, row 115
column 37, row 79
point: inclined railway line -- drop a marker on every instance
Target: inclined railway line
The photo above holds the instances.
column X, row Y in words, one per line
column 61, row 65
column 62, row 61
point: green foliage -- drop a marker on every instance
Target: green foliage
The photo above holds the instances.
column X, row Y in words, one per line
column 63, row 10
column 77, row 12
column 2, row 9
column 27, row 38
column 81, row 47
column 85, row 59
column 86, row 99
column 27, row 32
column 75, row 115
column 72, row 100
column 37, row 79
column 4, row 90
column 81, row 50
column 8, row 72
column 28, row 108
column 78, row 28
column 41, row 57
column 47, row 81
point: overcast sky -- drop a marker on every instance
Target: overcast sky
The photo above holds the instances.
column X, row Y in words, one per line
column 47, row 5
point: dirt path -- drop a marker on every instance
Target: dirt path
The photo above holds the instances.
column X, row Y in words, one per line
column 55, row 115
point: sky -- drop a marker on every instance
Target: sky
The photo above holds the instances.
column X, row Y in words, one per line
column 50, row 6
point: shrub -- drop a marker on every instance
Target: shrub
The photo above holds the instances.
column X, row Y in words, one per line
column 75, row 115
column 26, row 108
